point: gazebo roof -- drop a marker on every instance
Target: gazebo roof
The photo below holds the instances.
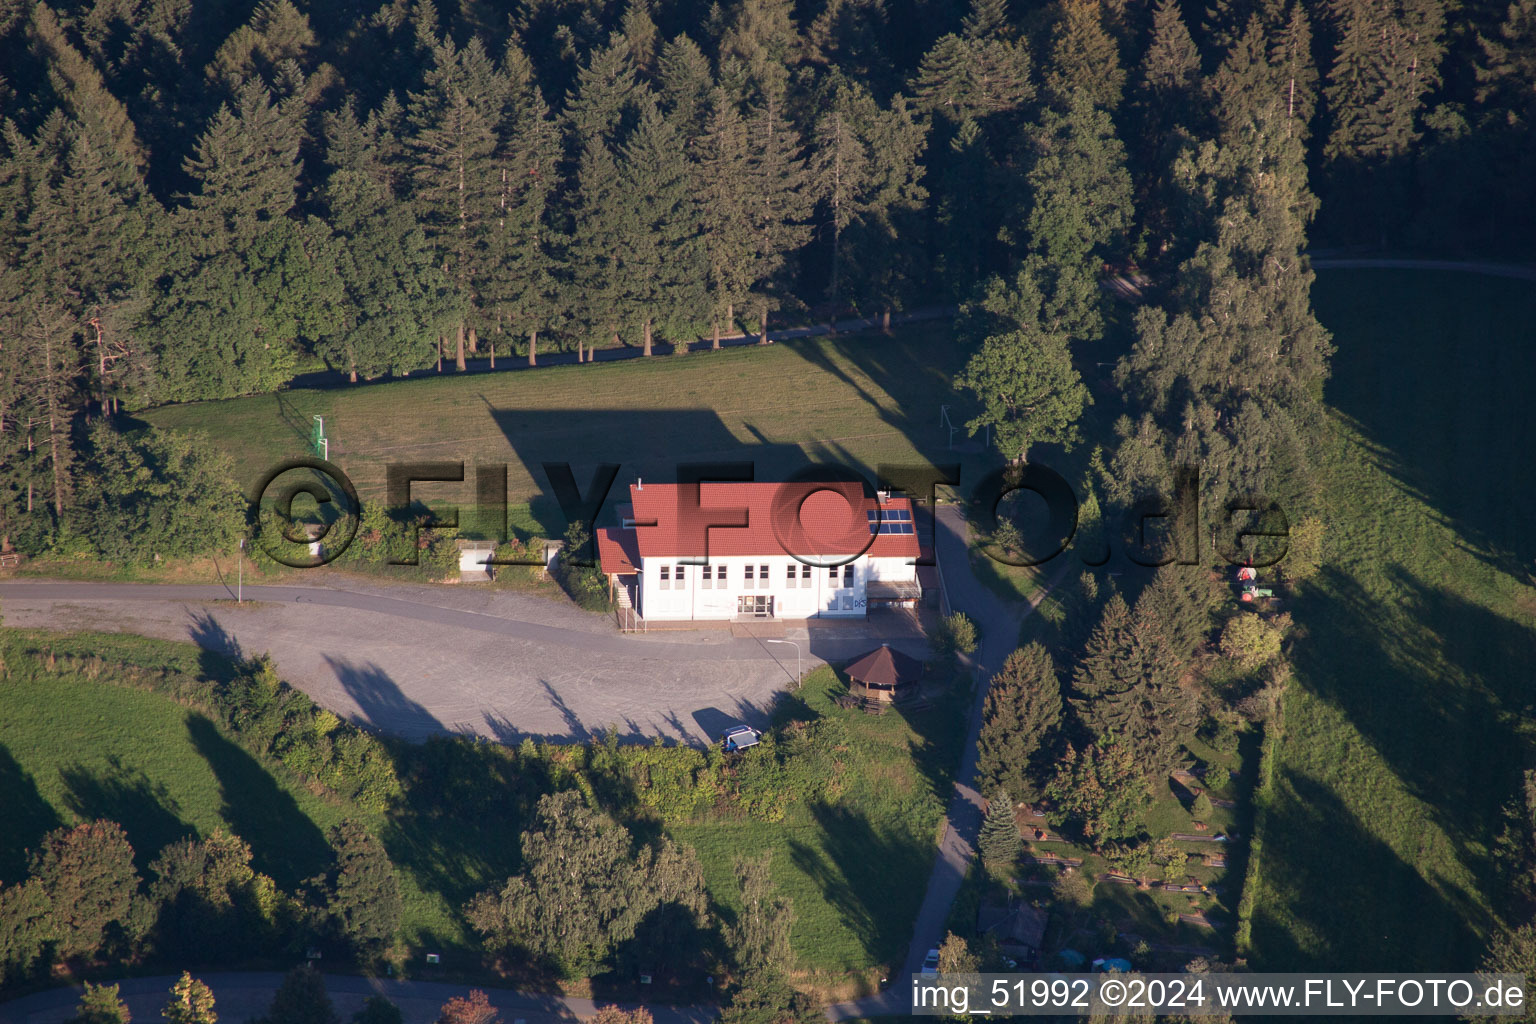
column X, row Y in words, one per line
column 886, row 666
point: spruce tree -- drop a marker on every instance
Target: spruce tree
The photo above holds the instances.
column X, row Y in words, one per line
column 363, row 900
column 984, row 70
column 665, row 268
column 521, row 285
column 886, row 243
column 765, row 40
column 81, row 91
column 1020, row 719
column 987, row 19
column 685, row 83
column 247, row 170
column 1245, row 83
column 1237, row 358
column 47, row 370
column 840, row 170
column 1128, row 686
column 724, row 188
column 100, row 1004
column 1387, row 61
column 605, row 88
column 1295, row 72
column 943, row 82
column 1506, row 70
column 965, row 228
column 999, row 839
column 454, row 122
column 1084, row 57
column 596, row 248
column 191, row 1002
column 1171, row 65
column 397, row 296
column 781, row 198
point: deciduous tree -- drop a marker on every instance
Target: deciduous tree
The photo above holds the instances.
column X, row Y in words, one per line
column 92, row 886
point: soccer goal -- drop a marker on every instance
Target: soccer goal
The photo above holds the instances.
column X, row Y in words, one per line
column 318, row 441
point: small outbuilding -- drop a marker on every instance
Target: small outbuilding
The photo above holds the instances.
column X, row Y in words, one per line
column 1018, row 928
column 884, row 674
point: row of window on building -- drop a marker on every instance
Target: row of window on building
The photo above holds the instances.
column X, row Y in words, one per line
column 674, row 577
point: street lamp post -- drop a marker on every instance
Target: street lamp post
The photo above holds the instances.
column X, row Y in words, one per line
column 796, row 646
column 240, row 577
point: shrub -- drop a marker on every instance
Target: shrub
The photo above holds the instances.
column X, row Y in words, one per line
column 155, row 492
column 956, row 634
column 1252, row 640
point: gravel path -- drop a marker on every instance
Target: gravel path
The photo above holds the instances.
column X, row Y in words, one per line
column 416, row 661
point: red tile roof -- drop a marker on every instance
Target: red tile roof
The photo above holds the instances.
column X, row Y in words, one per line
column 617, row 551
column 768, row 518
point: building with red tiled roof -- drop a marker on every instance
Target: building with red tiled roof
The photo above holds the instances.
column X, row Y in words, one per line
column 719, row 550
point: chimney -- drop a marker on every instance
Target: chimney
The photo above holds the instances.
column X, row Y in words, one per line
column 639, row 484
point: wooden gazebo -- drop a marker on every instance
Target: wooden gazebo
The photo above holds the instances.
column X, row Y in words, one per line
column 884, row 674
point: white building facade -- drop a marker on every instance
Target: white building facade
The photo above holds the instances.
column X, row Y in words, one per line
column 790, row 551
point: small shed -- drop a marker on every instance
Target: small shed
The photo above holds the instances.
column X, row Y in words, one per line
column 884, row 674
column 1018, row 927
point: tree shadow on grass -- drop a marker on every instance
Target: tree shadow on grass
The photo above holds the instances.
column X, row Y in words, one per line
column 1455, row 352
column 285, row 843
column 1436, row 684
column 146, row 810
column 873, row 874
column 1348, row 902
column 457, row 828
column 28, row 818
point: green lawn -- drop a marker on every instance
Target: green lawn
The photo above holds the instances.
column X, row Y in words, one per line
column 856, row 865
column 1412, row 713
column 82, row 744
column 855, row 399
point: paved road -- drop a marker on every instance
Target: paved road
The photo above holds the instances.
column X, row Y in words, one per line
column 1519, row 271
column 335, row 379
column 420, row 660
column 999, row 624
column 244, row 995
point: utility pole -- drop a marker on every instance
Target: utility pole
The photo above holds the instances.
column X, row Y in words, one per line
column 240, row 573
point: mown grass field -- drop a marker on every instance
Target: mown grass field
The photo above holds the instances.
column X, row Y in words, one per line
column 858, row 399
column 1412, row 712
